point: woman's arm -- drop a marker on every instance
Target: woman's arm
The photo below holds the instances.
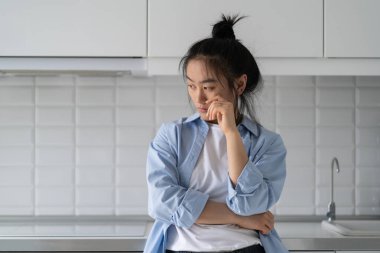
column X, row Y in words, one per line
column 256, row 182
column 223, row 111
column 237, row 155
column 168, row 201
column 261, row 181
column 218, row 213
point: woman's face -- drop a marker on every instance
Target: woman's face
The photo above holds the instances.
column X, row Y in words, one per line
column 203, row 86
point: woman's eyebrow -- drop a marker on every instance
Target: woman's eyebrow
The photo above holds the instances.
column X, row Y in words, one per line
column 208, row 80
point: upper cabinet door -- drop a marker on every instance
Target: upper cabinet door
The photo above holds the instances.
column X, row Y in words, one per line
column 273, row 28
column 352, row 28
column 85, row 28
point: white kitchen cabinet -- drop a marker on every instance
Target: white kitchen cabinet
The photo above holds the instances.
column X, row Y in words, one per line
column 273, row 28
column 85, row 28
column 352, row 28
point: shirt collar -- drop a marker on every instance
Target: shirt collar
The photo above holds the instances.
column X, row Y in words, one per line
column 246, row 122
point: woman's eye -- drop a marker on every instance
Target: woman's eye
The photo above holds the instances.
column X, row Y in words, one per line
column 190, row 86
column 209, row 88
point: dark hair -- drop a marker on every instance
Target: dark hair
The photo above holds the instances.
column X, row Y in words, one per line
column 227, row 57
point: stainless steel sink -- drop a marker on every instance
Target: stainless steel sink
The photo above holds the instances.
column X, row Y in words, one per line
column 353, row 227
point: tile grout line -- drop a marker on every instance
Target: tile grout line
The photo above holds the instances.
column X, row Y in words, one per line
column 115, row 136
column 34, row 169
column 75, row 80
column 315, row 143
column 355, row 140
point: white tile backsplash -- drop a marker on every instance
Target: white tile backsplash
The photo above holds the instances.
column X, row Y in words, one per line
column 95, row 196
column 367, row 177
column 368, row 136
column 16, row 155
column 172, row 96
column 136, row 116
column 55, row 135
column 93, row 176
column 341, row 117
column 335, row 97
column 135, row 96
column 95, row 136
column 22, row 196
column 16, row 95
column 132, row 156
column 55, row 156
column 130, row 176
column 368, row 97
column 95, row 155
column 16, row 115
column 134, row 136
column 55, row 95
column 15, row 81
column 12, row 177
column 16, row 135
column 295, row 116
column 51, row 176
column 95, row 116
column 55, row 115
column 54, row 196
column 77, row 145
column 90, row 95
column 335, row 136
column 368, row 116
column 295, row 96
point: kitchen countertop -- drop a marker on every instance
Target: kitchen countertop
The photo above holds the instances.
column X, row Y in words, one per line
column 129, row 233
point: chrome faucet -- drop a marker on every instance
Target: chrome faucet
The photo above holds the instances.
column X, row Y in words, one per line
column 331, row 208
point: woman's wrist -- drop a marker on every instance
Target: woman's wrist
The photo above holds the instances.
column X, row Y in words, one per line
column 236, row 219
column 233, row 133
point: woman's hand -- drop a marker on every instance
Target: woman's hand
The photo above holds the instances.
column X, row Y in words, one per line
column 223, row 111
column 263, row 222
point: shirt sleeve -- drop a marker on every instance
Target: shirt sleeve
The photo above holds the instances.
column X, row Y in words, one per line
column 168, row 201
column 260, row 184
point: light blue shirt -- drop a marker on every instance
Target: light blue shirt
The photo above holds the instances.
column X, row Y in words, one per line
column 172, row 156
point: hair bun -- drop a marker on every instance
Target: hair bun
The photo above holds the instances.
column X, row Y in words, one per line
column 224, row 28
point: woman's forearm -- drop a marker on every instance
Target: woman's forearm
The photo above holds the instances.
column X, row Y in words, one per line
column 237, row 155
column 217, row 213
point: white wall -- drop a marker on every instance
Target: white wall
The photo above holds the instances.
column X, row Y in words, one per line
column 76, row 145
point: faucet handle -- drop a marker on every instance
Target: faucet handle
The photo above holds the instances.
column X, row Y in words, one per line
column 331, row 212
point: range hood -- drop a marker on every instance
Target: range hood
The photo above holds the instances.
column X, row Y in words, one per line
column 115, row 65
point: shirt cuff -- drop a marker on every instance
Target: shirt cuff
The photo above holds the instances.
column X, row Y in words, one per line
column 190, row 209
column 248, row 181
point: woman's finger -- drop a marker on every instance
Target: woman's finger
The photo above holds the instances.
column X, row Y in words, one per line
column 216, row 98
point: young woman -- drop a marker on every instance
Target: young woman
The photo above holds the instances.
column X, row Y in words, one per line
column 213, row 176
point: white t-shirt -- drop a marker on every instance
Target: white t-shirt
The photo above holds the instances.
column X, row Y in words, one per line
column 210, row 176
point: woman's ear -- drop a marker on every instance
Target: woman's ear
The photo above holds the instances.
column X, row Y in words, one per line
column 240, row 84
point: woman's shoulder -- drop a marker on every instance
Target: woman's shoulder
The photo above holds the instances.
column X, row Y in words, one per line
column 271, row 138
column 258, row 129
column 175, row 127
column 267, row 133
column 264, row 135
column 178, row 123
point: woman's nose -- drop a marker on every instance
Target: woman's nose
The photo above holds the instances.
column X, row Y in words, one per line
column 200, row 97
